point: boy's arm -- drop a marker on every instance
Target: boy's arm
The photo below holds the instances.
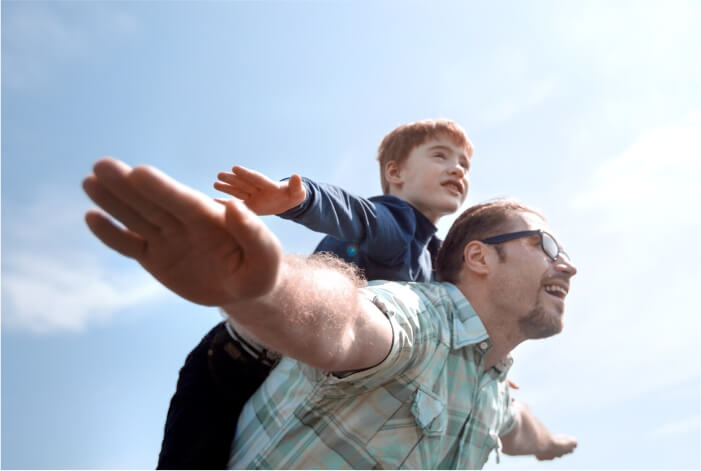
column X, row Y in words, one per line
column 223, row 255
column 261, row 195
column 531, row 437
column 380, row 230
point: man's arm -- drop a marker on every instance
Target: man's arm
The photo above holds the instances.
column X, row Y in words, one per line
column 223, row 255
column 530, row 437
column 316, row 315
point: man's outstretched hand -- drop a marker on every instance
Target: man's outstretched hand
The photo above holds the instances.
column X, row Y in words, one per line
column 208, row 253
column 557, row 446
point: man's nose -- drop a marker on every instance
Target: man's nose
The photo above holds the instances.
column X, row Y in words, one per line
column 565, row 265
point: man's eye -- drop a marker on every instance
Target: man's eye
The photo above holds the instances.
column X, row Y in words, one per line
column 440, row 156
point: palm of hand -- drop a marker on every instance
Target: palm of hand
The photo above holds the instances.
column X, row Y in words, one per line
column 204, row 252
column 202, row 264
column 272, row 200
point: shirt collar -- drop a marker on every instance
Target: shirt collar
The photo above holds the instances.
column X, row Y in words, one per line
column 467, row 326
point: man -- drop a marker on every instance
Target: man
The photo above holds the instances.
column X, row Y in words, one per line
column 424, row 169
column 391, row 375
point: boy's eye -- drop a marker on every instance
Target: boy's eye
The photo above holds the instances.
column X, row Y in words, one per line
column 440, row 156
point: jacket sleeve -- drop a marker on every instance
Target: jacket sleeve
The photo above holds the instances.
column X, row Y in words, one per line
column 380, row 229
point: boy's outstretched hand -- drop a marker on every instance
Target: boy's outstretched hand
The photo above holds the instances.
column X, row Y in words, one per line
column 262, row 195
column 207, row 253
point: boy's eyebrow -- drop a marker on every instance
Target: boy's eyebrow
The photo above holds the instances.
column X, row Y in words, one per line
column 447, row 148
column 444, row 147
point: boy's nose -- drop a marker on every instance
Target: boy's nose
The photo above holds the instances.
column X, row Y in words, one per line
column 458, row 170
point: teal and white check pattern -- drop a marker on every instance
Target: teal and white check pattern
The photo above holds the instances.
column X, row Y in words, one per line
column 428, row 405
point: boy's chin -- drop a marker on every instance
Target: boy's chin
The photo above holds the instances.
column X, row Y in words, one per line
column 450, row 208
column 447, row 210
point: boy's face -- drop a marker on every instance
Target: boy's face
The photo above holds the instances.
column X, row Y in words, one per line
column 433, row 179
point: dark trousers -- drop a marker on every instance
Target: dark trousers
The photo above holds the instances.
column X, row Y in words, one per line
column 215, row 382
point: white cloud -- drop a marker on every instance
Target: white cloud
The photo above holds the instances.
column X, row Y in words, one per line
column 44, row 294
column 655, row 179
column 632, row 325
column 54, row 273
column 678, row 427
column 621, row 37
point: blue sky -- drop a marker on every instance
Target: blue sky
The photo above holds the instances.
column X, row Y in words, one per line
column 588, row 110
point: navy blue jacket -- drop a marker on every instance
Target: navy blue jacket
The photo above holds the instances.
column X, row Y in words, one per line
column 384, row 235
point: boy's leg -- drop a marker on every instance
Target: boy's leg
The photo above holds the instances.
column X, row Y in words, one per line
column 215, row 382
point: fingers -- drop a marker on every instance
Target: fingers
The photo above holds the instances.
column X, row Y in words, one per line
column 561, row 445
column 168, row 198
column 296, row 189
column 117, row 208
column 123, row 241
column 115, row 177
column 232, row 190
column 252, row 178
column 566, row 444
column 238, row 181
column 262, row 252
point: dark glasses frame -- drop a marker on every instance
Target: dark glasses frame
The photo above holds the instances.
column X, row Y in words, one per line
column 547, row 242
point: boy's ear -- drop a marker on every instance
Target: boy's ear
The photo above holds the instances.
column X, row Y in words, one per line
column 476, row 257
column 393, row 173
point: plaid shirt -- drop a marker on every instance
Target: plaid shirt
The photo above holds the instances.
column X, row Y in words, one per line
column 428, row 405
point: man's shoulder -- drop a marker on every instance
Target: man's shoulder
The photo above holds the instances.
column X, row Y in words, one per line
column 410, row 294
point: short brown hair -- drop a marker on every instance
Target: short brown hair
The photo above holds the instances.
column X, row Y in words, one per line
column 398, row 144
column 475, row 223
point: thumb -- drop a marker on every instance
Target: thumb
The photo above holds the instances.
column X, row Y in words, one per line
column 296, row 188
column 261, row 252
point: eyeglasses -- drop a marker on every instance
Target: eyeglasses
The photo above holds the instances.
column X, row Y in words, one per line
column 547, row 242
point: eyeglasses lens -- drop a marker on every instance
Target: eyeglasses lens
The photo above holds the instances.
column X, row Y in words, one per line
column 550, row 246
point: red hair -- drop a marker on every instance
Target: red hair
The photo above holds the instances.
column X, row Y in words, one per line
column 398, row 144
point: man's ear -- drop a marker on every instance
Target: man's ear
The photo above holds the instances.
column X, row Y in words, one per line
column 476, row 257
column 393, row 173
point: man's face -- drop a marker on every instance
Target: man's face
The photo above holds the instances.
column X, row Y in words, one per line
column 434, row 178
column 529, row 284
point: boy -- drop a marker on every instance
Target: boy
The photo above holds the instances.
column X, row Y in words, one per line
column 424, row 171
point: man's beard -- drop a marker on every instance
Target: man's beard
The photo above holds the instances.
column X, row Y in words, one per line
column 538, row 324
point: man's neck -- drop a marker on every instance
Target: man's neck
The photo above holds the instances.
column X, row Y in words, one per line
column 504, row 335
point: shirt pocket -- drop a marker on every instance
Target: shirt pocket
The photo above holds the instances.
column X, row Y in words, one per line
column 430, row 412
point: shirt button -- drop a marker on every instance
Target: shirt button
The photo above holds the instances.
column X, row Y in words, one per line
column 484, row 345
